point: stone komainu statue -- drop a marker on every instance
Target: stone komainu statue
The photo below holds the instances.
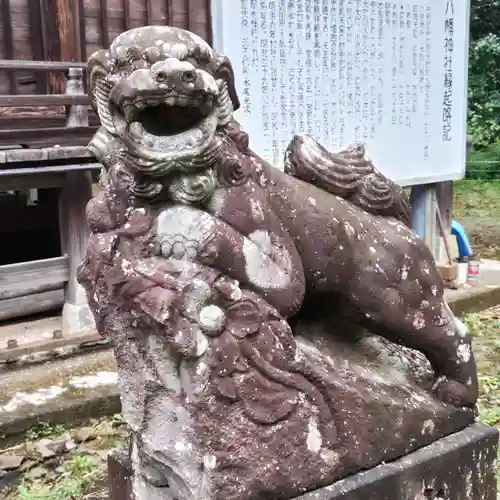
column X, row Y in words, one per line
column 274, row 331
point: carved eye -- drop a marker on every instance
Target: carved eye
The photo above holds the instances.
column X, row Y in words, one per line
column 161, row 76
column 189, row 76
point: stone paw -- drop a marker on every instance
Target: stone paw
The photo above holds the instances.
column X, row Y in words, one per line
column 455, row 393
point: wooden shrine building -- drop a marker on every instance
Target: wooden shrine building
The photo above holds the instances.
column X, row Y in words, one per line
column 46, row 173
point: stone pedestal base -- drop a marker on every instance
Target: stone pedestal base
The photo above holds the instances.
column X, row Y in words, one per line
column 77, row 318
column 120, row 476
column 457, row 467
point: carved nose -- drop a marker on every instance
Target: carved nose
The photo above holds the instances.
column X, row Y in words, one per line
column 189, row 76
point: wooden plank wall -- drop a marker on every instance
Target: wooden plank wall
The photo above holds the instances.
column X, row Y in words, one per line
column 71, row 30
column 106, row 19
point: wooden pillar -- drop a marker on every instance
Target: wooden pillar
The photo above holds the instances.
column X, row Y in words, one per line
column 52, row 44
column 38, row 40
column 105, row 24
column 8, row 37
column 69, row 29
column 444, row 194
column 424, row 204
column 73, row 200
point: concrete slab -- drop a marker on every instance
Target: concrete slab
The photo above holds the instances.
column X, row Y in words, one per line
column 59, row 392
column 480, row 293
column 33, row 330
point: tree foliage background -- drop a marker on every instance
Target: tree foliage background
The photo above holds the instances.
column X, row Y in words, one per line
column 484, row 73
column 484, row 90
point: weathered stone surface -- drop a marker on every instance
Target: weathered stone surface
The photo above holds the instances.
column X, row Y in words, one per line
column 9, row 461
column 84, row 434
column 458, row 467
column 36, row 473
column 120, row 476
column 61, row 444
column 44, row 448
column 237, row 295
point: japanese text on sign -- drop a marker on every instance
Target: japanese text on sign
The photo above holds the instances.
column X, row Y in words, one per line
column 391, row 74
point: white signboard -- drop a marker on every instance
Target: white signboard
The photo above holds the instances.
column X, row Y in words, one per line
column 390, row 74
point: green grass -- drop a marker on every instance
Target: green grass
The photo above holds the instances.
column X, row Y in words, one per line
column 82, row 474
column 476, row 199
column 485, row 330
column 484, row 163
column 476, row 205
column 44, row 430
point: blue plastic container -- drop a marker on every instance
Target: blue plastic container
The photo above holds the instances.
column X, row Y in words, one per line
column 464, row 248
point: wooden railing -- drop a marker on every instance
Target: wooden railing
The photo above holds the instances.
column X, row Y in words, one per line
column 40, row 107
column 71, row 30
column 42, row 31
column 13, row 66
column 34, row 120
column 65, row 172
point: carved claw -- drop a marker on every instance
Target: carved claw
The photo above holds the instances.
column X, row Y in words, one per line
column 455, row 393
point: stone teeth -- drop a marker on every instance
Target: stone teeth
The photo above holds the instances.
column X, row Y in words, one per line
column 136, row 130
column 130, row 113
column 171, row 100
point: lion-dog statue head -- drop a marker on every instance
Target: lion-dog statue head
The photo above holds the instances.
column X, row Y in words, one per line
column 161, row 94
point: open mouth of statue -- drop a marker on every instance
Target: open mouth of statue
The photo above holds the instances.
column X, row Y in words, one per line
column 168, row 116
